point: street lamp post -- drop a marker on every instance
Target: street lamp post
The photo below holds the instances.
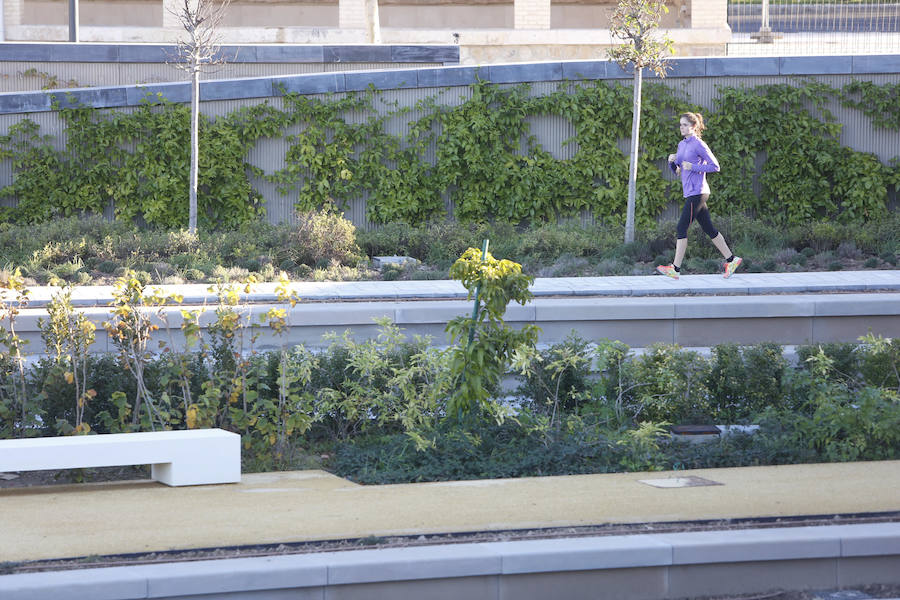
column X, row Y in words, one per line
column 765, row 35
column 73, row 20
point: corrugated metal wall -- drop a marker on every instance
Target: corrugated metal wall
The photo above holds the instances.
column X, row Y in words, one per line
column 31, row 76
column 550, row 132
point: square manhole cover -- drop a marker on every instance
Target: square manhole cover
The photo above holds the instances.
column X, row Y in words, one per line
column 679, row 482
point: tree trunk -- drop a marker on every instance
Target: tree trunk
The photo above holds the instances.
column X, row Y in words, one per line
column 632, row 167
column 195, row 126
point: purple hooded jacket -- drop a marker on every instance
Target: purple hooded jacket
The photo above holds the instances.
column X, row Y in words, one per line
column 695, row 151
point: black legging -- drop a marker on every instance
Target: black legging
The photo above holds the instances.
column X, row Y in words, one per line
column 695, row 208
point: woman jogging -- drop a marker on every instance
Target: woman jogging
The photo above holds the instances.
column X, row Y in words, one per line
column 693, row 161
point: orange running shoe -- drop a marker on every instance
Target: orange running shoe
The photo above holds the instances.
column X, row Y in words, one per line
column 668, row 270
column 731, row 267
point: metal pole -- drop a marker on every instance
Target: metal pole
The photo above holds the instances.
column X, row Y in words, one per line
column 765, row 35
column 73, row 20
column 484, row 249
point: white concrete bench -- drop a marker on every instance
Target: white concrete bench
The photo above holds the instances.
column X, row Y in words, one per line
column 192, row 457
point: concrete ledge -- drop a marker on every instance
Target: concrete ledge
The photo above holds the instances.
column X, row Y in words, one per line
column 684, row 320
column 247, row 53
column 666, row 564
column 612, row 287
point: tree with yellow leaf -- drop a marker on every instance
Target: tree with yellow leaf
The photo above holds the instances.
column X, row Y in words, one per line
column 70, row 334
column 635, row 22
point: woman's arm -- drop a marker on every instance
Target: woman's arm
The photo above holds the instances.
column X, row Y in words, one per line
column 708, row 162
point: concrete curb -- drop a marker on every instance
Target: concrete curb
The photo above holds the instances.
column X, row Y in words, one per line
column 638, row 566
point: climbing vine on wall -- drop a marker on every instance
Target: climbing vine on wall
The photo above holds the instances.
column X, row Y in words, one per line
column 478, row 155
column 137, row 161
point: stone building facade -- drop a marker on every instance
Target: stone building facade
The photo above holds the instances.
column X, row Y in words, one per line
column 487, row 31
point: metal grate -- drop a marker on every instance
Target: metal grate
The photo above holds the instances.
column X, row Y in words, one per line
column 783, row 28
column 679, row 482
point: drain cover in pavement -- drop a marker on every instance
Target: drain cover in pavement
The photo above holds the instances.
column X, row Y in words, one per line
column 679, row 482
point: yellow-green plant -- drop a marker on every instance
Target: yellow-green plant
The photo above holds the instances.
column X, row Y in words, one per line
column 69, row 336
column 364, row 396
column 229, row 353
column 548, row 372
column 484, row 345
column 642, row 446
column 15, row 414
column 131, row 329
column 422, row 389
column 880, row 361
column 276, row 419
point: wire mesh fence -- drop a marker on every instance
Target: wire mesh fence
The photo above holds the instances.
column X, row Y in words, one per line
column 780, row 28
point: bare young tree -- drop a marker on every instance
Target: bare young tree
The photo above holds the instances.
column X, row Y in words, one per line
column 634, row 22
column 201, row 20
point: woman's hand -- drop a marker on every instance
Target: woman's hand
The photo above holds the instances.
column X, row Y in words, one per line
column 672, row 158
column 686, row 166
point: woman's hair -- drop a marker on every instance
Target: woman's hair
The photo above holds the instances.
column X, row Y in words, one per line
column 695, row 119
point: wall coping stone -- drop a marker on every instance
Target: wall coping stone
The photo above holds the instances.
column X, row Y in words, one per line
column 538, row 310
column 460, row 560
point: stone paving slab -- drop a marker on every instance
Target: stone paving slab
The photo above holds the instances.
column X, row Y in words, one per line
column 138, row 517
column 617, row 286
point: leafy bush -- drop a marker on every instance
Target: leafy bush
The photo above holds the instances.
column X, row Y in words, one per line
column 879, row 361
column 843, row 361
column 478, row 451
column 745, row 380
column 557, row 379
column 323, row 238
column 668, row 385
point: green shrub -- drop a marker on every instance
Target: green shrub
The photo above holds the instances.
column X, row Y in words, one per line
column 668, row 385
column 324, row 237
column 477, row 451
column 558, row 379
column 421, row 275
column 391, row 272
column 843, row 359
column 879, row 361
column 108, row 266
column 194, row 275
column 548, row 242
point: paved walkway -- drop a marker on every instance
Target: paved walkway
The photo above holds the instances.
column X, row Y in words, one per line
column 271, row 508
column 62, row 521
column 620, row 286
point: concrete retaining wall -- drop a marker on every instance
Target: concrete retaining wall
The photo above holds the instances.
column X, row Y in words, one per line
column 648, row 566
column 698, row 78
column 636, row 321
